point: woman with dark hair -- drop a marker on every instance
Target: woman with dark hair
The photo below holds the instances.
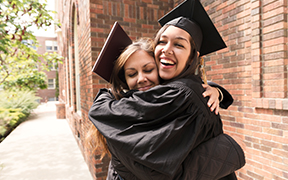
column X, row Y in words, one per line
column 166, row 132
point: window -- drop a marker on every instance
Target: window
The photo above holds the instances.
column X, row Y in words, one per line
column 56, row 47
column 77, row 65
column 48, row 48
column 51, row 83
column 52, row 66
column 29, row 43
column 51, row 45
column 52, row 99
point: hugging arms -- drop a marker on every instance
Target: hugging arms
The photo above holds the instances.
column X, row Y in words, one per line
column 158, row 130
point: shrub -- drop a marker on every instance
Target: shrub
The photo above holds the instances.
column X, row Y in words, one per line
column 24, row 100
column 15, row 106
column 9, row 119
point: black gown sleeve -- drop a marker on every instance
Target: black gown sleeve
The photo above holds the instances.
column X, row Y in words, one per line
column 227, row 97
column 149, row 123
column 216, row 158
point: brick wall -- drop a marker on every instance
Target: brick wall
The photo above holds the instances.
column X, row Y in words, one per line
column 253, row 68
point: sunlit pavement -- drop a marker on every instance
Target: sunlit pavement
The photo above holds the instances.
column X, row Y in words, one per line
column 42, row 148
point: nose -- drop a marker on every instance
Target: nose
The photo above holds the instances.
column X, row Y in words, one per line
column 141, row 78
column 167, row 49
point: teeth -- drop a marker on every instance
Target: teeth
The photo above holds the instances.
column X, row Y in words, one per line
column 167, row 62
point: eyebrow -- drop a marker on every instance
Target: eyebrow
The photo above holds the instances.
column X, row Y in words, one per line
column 149, row 63
column 178, row 37
column 131, row 68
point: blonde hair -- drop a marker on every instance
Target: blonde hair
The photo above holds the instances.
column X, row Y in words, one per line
column 96, row 141
column 94, row 138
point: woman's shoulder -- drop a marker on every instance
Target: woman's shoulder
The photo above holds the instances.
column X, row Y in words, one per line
column 183, row 87
column 187, row 84
column 192, row 82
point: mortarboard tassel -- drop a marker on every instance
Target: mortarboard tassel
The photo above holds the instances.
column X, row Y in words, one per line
column 202, row 69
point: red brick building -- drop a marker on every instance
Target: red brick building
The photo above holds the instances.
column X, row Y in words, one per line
column 253, row 68
column 48, row 44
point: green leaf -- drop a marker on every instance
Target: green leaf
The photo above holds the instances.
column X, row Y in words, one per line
column 14, row 61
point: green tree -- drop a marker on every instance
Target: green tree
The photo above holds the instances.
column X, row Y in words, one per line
column 18, row 61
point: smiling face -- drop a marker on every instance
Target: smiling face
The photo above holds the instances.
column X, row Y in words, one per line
column 172, row 52
column 141, row 71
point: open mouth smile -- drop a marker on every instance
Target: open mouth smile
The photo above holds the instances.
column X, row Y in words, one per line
column 167, row 62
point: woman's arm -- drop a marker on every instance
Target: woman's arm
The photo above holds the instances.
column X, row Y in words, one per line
column 214, row 159
column 158, row 127
column 161, row 102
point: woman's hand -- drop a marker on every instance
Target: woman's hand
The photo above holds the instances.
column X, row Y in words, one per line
column 213, row 94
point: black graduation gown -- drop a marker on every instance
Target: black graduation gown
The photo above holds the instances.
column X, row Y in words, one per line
column 151, row 133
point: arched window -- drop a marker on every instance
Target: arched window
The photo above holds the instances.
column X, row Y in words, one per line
column 77, row 64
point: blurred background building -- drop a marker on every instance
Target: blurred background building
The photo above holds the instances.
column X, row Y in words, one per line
column 47, row 40
column 48, row 44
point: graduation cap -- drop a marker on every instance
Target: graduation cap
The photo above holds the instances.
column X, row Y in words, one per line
column 192, row 17
column 116, row 42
